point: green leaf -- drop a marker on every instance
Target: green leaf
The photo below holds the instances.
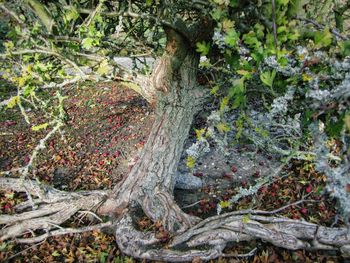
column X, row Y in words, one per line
column 224, row 103
column 190, row 162
column 149, row 2
column 40, row 127
column 71, row 14
column 239, row 100
column 267, row 78
column 335, row 127
column 294, row 35
column 233, row 3
column 237, row 88
column 244, row 73
column 345, row 48
column 39, row 66
column 224, row 204
column 251, row 40
column 223, row 127
column 103, row 257
column 203, row 48
column 199, row 133
column 347, row 121
column 231, row 38
column 259, row 30
column 8, row 45
column 214, row 90
column 13, row 102
column 56, row 254
column 10, row 195
column 323, row 39
column 283, row 2
column 3, row 246
column 27, row 90
column 104, row 68
column 88, row 43
column 217, row 13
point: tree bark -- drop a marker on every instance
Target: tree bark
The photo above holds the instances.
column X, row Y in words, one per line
column 151, row 181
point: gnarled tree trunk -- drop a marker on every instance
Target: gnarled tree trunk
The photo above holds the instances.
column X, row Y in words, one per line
column 151, row 181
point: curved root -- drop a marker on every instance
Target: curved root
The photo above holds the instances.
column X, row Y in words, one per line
column 162, row 207
column 207, row 239
column 53, row 208
column 143, row 245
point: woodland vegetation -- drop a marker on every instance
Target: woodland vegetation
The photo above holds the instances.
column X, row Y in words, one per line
column 280, row 67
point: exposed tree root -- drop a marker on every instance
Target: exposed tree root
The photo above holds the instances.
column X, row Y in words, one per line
column 173, row 219
column 52, row 208
column 205, row 240
column 144, row 245
column 279, row 231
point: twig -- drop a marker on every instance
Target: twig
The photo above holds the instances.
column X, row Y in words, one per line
column 274, row 25
column 63, row 231
column 25, row 170
column 249, row 254
column 181, row 31
column 19, row 103
column 188, row 206
column 92, row 15
column 24, row 250
column 45, row 51
column 12, row 14
column 321, row 27
column 84, row 213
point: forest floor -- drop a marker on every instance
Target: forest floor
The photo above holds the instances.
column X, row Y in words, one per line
column 107, row 127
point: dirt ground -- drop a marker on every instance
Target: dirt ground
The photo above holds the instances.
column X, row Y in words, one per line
column 107, row 127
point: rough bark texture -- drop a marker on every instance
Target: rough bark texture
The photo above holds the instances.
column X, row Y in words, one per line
column 151, row 181
column 50, row 208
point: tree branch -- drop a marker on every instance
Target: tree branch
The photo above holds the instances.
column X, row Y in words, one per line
column 46, row 52
column 12, row 14
column 178, row 25
column 321, row 27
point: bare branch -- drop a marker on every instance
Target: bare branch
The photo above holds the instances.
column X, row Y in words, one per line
column 12, row 14
column 45, row 51
column 177, row 25
column 321, row 27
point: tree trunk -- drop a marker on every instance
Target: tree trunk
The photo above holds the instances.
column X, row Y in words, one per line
column 151, row 181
